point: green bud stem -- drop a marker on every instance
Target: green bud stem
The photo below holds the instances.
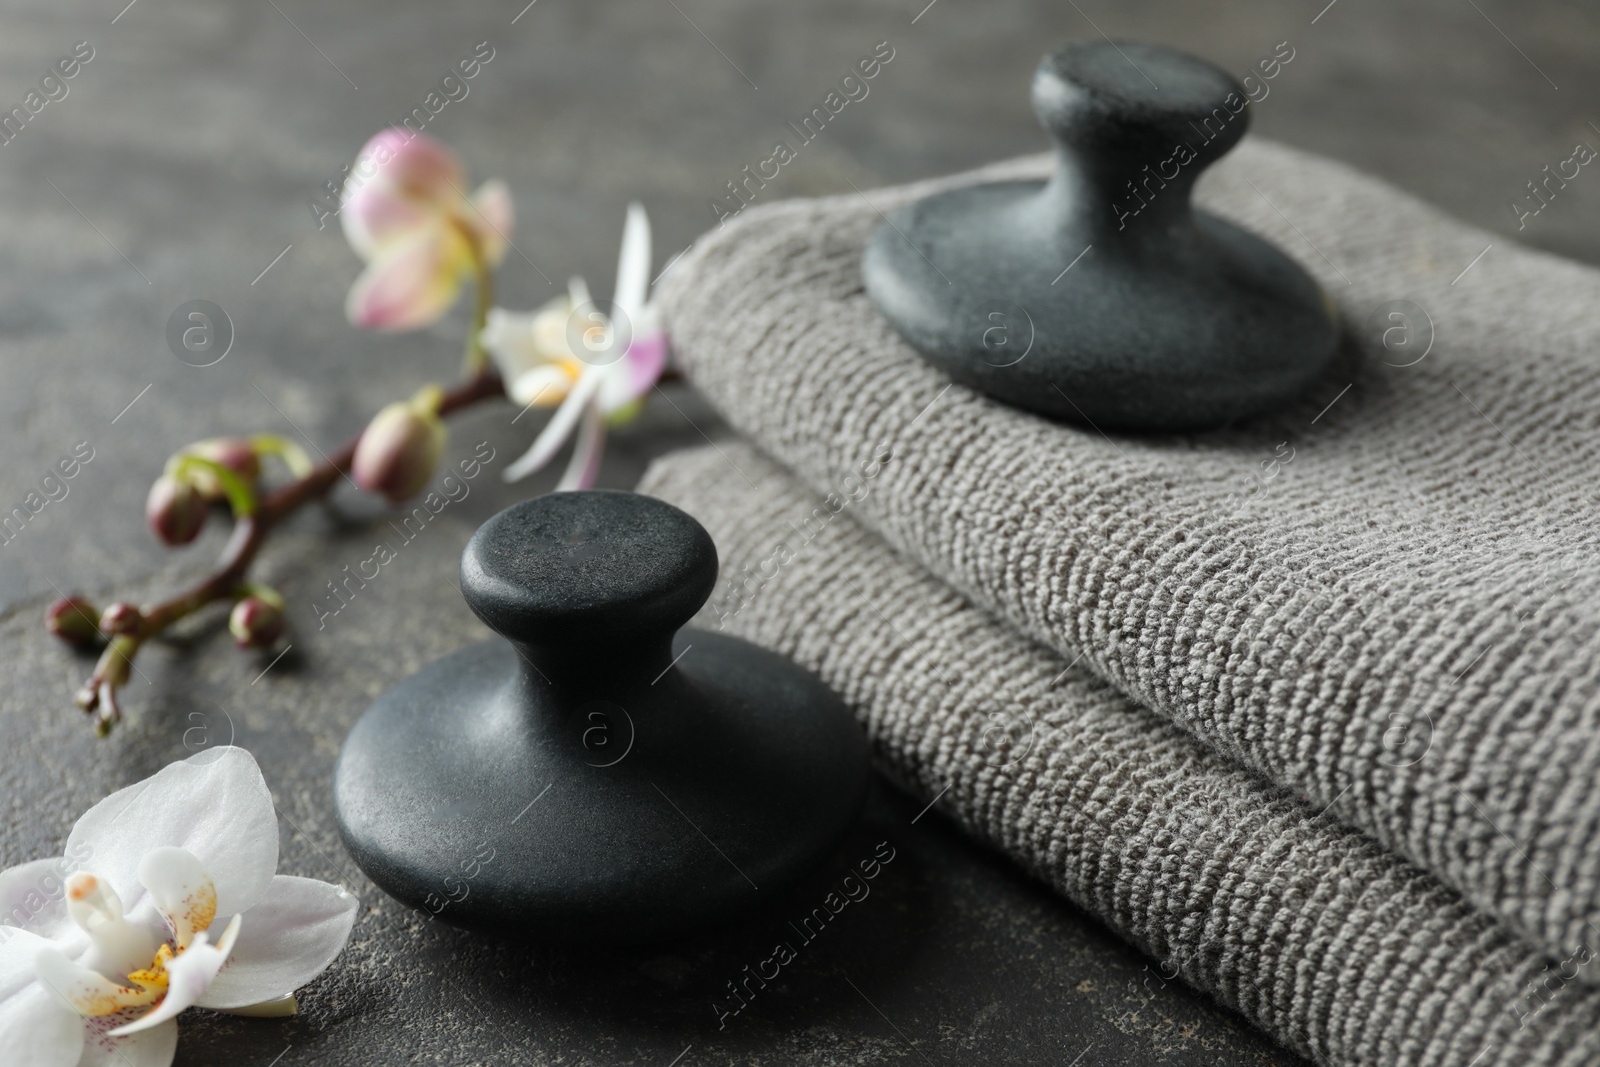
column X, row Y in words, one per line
column 294, row 457
column 241, row 495
column 261, row 592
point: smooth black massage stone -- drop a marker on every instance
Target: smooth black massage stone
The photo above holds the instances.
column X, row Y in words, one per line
column 601, row 775
column 1101, row 296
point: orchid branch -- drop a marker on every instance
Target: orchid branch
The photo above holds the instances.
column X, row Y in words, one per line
column 226, row 581
column 405, row 212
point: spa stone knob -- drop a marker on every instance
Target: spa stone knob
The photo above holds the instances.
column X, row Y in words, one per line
column 601, row 774
column 574, row 576
column 1101, row 296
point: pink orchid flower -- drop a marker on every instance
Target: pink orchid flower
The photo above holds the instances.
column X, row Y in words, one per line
column 406, row 213
column 596, row 366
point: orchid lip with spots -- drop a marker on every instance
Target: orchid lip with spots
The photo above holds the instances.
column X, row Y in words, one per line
column 593, row 367
column 178, row 904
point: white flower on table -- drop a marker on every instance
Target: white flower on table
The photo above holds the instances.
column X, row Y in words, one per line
column 594, row 368
column 178, row 903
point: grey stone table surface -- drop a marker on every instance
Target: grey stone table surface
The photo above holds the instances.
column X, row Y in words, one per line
column 182, row 164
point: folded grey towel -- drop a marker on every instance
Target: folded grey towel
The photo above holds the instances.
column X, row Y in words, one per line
column 1334, row 946
column 1384, row 599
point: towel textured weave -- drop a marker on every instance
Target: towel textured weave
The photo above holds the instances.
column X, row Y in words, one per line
column 1384, row 598
column 1334, row 946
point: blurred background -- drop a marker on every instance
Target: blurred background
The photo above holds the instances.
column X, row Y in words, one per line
column 184, row 163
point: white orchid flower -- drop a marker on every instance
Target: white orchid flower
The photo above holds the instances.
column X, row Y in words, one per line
column 166, row 896
column 597, row 367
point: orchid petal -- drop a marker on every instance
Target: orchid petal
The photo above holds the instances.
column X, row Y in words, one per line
column 519, row 342
column 412, row 283
column 150, row 1048
column 637, row 374
column 492, row 217
column 401, row 181
column 37, row 1030
column 541, row 387
column 577, row 293
column 377, row 215
column 553, row 327
column 188, row 975
column 182, row 891
column 85, row 991
column 584, row 465
column 214, row 804
column 413, row 162
column 33, row 1023
column 556, row 431
column 288, row 939
column 92, row 904
column 33, row 896
column 17, row 950
column 508, row 336
column 633, row 275
column 120, row 943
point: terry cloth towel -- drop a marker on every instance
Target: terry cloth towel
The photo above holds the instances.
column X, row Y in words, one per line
column 1384, row 598
column 1337, row 948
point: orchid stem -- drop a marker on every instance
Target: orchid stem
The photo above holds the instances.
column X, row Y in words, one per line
column 228, row 579
column 476, row 360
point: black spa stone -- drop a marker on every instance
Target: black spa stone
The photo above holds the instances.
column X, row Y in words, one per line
column 600, row 775
column 1101, row 296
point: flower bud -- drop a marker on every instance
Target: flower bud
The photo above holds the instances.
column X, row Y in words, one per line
column 121, row 618
column 175, row 510
column 254, row 622
column 398, row 451
column 231, row 452
column 73, row 619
